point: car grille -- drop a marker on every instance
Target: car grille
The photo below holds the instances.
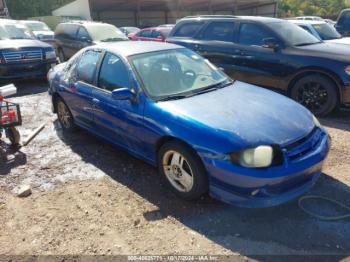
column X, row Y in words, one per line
column 305, row 145
column 22, row 56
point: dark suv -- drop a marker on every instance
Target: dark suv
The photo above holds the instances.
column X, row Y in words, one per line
column 343, row 23
column 70, row 37
column 272, row 53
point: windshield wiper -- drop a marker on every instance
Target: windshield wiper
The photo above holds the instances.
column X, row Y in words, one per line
column 305, row 44
column 214, row 87
column 175, row 97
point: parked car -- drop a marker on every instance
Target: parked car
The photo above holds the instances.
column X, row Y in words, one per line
column 129, row 30
column 21, row 55
column 343, row 23
column 272, row 53
column 205, row 132
column 40, row 30
column 323, row 31
column 167, row 25
column 310, row 18
column 156, row 34
column 70, row 37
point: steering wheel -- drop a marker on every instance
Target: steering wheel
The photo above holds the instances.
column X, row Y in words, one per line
column 190, row 77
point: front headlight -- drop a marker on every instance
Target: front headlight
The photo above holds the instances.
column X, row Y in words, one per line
column 50, row 55
column 259, row 157
column 316, row 122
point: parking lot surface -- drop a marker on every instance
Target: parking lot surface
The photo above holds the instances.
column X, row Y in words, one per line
column 91, row 198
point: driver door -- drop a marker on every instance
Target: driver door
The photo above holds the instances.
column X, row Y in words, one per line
column 119, row 121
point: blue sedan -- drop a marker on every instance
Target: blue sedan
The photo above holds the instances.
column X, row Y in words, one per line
column 205, row 132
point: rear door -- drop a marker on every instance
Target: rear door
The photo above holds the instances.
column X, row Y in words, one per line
column 120, row 121
column 217, row 45
column 255, row 63
column 69, row 42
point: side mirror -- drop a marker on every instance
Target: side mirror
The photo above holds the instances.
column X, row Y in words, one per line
column 271, row 43
column 123, row 94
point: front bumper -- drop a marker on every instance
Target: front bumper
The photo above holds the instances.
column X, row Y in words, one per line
column 258, row 188
column 25, row 70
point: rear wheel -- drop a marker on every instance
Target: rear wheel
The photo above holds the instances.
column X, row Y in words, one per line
column 13, row 135
column 317, row 93
column 64, row 115
column 182, row 171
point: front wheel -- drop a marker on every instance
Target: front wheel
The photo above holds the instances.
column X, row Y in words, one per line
column 317, row 93
column 64, row 115
column 182, row 171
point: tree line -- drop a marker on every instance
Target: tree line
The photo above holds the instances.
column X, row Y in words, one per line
column 20, row 9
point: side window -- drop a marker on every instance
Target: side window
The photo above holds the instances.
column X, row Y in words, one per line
column 82, row 33
column 87, row 66
column 113, row 74
column 253, row 35
column 188, row 30
column 219, row 31
column 306, row 28
column 344, row 20
column 145, row 33
column 156, row 34
column 71, row 31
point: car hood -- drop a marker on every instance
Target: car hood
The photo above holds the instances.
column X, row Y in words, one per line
column 251, row 114
column 344, row 40
column 22, row 43
column 327, row 50
column 46, row 33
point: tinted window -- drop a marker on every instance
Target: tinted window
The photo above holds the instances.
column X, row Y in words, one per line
column 82, row 33
column 70, row 31
column 252, row 34
column 188, row 29
column 145, row 33
column 306, row 28
column 326, row 31
column 219, row 31
column 344, row 20
column 113, row 74
column 87, row 66
column 156, row 34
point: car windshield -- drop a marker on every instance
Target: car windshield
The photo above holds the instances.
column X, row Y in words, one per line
column 105, row 33
column 326, row 31
column 37, row 26
column 177, row 73
column 293, row 34
column 14, row 31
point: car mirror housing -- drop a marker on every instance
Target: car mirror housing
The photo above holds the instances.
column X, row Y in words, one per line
column 123, row 94
column 271, row 43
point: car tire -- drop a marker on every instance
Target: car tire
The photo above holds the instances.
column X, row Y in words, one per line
column 13, row 135
column 64, row 115
column 316, row 92
column 61, row 56
column 182, row 171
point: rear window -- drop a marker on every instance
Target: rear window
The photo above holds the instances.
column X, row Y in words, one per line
column 344, row 19
column 188, row 29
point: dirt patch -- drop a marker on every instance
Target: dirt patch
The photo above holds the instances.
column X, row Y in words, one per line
column 90, row 198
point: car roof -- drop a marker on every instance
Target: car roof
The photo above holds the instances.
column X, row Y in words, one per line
column 7, row 21
column 307, row 22
column 83, row 23
column 31, row 21
column 130, row 48
column 251, row 18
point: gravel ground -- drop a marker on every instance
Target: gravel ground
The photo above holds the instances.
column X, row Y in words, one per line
column 90, row 198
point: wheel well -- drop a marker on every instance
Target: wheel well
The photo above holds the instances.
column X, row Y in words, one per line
column 328, row 75
column 167, row 139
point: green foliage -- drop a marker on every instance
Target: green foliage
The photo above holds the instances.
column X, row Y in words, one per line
column 324, row 8
column 21, row 9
